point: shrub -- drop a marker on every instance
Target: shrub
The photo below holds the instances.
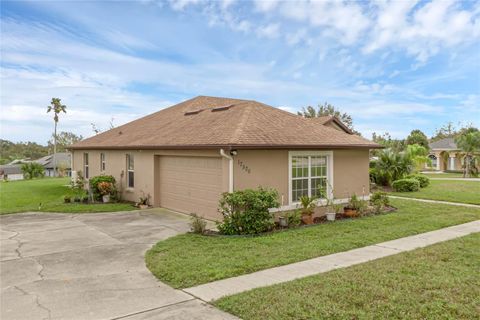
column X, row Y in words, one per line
column 246, row 211
column 294, row 218
column 32, row 170
column 392, row 166
column 406, row 185
column 379, row 200
column 197, row 224
column 423, row 180
column 95, row 181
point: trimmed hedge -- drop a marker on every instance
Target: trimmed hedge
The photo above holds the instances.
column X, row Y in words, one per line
column 406, row 185
column 423, row 180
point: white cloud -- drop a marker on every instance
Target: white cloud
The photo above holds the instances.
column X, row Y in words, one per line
column 269, row 31
column 180, row 5
column 266, row 5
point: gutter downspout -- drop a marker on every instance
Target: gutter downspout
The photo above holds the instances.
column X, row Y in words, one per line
column 230, row 169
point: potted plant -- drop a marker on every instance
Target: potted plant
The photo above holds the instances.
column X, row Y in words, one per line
column 332, row 209
column 105, row 188
column 143, row 203
column 283, row 221
column 354, row 207
column 308, row 206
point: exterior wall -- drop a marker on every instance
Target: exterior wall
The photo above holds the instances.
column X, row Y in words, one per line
column 269, row 168
column 350, row 173
column 146, row 164
column 251, row 168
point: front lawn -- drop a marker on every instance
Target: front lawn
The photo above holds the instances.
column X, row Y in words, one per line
column 447, row 190
column 188, row 260
column 47, row 195
column 437, row 282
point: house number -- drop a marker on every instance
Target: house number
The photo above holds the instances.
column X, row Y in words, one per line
column 243, row 166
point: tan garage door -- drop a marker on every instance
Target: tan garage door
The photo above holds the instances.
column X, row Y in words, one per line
column 191, row 184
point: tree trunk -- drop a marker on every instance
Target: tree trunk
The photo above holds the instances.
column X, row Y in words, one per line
column 55, row 151
column 467, row 166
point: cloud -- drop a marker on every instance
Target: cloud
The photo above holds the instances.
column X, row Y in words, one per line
column 269, row 31
column 179, row 5
column 266, row 5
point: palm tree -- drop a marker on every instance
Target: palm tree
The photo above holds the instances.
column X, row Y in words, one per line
column 392, row 165
column 57, row 107
column 469, row 142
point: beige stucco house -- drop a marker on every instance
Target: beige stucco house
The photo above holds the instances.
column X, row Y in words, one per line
column 445, row 156
column 185, row 156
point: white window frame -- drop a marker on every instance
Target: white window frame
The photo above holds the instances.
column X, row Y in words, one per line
column 103, row 165
column 328, row 154
column 128, row 157
column 86, row 167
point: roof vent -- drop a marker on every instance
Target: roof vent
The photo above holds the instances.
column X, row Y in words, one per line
column 222, row 108
column 190, row 112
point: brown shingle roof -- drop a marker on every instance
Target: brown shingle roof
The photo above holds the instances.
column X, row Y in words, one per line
column 238, row 124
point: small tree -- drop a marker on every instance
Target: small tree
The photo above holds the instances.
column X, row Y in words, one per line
column 419, row 155
column 327, row 110
column 392, row 166
column 32, row 170
column 417, row 137
column 469, row 142
column 56, row 107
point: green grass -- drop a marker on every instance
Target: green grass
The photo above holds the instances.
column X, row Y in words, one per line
column 444, row 175
column 187, row 260
column 26, row 195
column 447, row 190
column 437, row 282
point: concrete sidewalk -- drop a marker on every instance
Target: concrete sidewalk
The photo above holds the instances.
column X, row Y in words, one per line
column 218, row 289
column 437, row 201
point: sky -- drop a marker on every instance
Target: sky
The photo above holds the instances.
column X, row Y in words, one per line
column 394, row 66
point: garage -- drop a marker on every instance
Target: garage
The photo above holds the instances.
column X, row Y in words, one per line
column 191, row 184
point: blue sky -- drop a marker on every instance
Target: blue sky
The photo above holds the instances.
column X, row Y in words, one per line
column 393, row 65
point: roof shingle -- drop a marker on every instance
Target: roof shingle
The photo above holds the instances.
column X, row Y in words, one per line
column 244, row 124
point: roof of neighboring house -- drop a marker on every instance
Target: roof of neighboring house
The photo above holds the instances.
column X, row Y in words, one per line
column 60, row 158
column 332, row 119
column 210, row 122
column 444, row 144
column 10, row 169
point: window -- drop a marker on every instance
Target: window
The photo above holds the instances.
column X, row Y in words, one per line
column 102, row 161
column 85, row 165
column 130, row 174
column 309, row 175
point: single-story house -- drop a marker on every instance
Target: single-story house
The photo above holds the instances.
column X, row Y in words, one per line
column 185, row 156
column 11, row 172
column 63, row 161
column 446, row 156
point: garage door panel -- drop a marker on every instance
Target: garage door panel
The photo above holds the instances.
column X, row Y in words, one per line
column 191, row 184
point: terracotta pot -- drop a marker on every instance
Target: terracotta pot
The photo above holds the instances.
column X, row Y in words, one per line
column 350, row 212
column 307, row 219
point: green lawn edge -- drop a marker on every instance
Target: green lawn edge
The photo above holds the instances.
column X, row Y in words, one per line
column 447, row 190
column 27, row 195
column 437, row 282
column 188, row 260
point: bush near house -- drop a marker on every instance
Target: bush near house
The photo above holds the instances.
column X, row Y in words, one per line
column 406, row 185
column 423, row 180
column 97, row 180
column 246, row 211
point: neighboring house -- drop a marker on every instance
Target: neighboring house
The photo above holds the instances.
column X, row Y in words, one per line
column 185, row 156
column 445, row 155
column 11, row 172
column 63, row 160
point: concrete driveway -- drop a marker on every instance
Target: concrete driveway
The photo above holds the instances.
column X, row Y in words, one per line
column 90, row 266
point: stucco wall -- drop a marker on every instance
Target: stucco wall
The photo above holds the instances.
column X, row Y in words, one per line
column 146, row 168
column 269, row 168
column 252, row 168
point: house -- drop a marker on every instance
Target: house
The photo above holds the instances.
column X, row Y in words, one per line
column 63, row 161
column 185, row 156
column 11, row 172
column 446, row 156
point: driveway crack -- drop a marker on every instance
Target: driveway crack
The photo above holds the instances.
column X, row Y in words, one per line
column 37, row 301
